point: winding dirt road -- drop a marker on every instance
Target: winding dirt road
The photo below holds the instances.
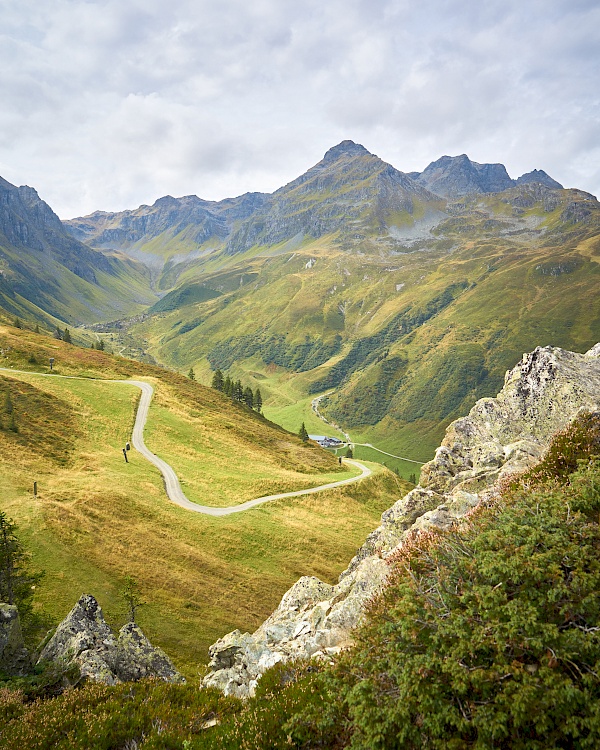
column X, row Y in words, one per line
column 172, row 486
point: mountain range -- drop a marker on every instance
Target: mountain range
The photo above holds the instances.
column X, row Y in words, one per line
column 400, row 296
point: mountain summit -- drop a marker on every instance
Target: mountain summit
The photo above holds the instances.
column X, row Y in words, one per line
column 345, row 148
column 350, row 193
column 455, row 176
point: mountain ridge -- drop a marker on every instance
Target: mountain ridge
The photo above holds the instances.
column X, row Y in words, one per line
column 46, row 272
column 351, row 193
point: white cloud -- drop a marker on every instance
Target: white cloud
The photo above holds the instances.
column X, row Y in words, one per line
column 112, row 103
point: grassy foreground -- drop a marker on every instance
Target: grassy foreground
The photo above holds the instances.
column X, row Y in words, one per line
column 485, row 637
column 96, row 519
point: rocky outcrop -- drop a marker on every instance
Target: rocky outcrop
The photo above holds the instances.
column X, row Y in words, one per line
column 83, row 638
column 539, row 176
column 14, row 658
column 500, row 436
column 454, row 176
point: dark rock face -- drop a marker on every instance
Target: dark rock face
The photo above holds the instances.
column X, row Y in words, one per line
column 200, row 220
column 538, row 175
column 14, row 658
column 27, row 221
column 454, row 176
column 84, row 638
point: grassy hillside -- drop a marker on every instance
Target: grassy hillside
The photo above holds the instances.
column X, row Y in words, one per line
column 486, row 636
column 403, row 342
column 97, row 519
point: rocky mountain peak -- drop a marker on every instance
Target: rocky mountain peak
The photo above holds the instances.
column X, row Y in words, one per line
column 346, row 148
column 455, row 176
column 538, row 175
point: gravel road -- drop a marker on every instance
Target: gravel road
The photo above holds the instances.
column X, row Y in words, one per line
column 172, row 486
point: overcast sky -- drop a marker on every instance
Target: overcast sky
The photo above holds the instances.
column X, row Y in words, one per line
column 108, row 104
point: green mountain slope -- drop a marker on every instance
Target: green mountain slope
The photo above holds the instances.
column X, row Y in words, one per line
column 407, row 341
column 45, row 274
column 357, row 281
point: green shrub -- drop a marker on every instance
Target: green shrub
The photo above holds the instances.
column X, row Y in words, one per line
column 487, row 636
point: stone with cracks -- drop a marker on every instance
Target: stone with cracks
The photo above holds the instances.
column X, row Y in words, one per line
column 14, row 658
column 84, row 639
column 500, row 436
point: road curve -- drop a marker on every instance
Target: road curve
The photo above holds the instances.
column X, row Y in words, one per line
column 172, row 486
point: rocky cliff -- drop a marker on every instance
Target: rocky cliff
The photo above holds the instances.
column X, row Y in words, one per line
column 500, row 436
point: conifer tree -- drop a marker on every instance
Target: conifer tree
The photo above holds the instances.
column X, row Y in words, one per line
column 248, row 397
column 192, row 374
column 228, row 387
column 258, row 401
column 66, row 337
column 238, row 391
column 302, row 432
column 15, row 579
column 217, row 382
column 17, row 323
column 58, row 334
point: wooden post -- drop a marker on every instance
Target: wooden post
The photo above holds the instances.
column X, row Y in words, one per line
column 35, row 489
column 125, row 455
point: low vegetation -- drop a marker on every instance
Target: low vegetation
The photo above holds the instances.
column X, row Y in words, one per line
column 487, row 636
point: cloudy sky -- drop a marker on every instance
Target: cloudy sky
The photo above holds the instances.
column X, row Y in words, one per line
column 108, row 104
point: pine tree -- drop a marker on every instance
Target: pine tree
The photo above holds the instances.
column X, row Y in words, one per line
column 100, row 345
column 238, row 391
column 217, row 382
column 258, row 401
column 302, row 433
column 66, row 337
column 16, row 581
column 17, row 323
column 192, row 374
column 58, row 334
column 248, row 397
column 349, row 453
column 228, row 387
column 36, row 329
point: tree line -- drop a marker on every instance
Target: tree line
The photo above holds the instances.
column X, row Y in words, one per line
column 237, row 391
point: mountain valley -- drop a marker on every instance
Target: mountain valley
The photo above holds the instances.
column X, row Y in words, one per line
column 386, row 303
column 403, row 297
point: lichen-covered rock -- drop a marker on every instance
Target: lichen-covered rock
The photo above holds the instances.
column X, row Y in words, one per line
column 14, row 657
column 84, row 639
column 500, row 436
column 138, row 658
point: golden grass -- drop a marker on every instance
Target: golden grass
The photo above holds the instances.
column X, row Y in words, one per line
column 97, row 519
